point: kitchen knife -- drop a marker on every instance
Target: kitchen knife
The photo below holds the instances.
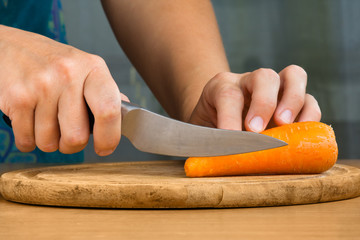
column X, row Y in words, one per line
column 154, row 133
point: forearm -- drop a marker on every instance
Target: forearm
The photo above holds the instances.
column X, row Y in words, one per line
column 175, row 45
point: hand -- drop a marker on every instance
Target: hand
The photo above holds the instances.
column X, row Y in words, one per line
column 256, row 100
column 45, row 86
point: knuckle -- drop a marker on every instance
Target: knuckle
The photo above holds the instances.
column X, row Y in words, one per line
column 223, row 76
column 44, row 83
column 108, row 110
column 267, row 74
column 297, row 69
column 65, row 67
column 265, row 103
column 231, row 91
column 65, row 63
column 20, row 98
column 298, row 98
column 96, row 60
column 41, row 82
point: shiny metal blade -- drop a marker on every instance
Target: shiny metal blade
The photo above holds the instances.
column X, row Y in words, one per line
column 153, row 133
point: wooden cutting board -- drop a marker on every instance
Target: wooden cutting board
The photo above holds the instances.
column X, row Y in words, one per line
column 163, row 184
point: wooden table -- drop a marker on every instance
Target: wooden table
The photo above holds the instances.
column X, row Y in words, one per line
column 333, row 220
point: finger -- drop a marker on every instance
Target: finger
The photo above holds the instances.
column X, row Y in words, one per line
column 23, row 128
column 311, row 110
column 47, row 132
column 294, row 80
column 124, row 97
column 73, row 121
column 227, row 98
column 104, row 99
column 263, row 85
column 204, row 115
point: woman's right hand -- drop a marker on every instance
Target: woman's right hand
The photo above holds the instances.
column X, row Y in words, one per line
column 45, row 86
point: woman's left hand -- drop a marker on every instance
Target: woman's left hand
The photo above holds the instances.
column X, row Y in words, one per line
column 256, row 100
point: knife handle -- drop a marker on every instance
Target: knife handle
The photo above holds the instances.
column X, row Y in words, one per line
column 7, row 120
column 91, row 119
column 125, row 108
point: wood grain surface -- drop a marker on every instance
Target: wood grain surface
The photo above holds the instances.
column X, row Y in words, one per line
column 338, row 220
column 162, row 184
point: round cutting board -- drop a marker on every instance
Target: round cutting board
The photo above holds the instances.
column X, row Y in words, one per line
column 163, row 184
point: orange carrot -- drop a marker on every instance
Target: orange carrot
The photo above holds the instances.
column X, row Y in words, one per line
column 311, row 148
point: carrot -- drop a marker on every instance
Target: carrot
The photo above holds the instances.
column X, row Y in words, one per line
column 311, row 148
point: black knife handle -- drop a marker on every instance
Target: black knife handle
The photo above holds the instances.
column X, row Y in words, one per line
column 91, row 119
column 7, row 120
column 125, row 108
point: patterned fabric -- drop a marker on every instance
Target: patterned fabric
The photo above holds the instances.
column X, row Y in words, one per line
column 39, row 16
column 43, row 17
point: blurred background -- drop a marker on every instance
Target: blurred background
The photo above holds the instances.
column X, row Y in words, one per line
column 321, row 36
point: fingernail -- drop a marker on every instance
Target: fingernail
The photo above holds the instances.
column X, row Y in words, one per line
column 257, row 124
column 286, row 116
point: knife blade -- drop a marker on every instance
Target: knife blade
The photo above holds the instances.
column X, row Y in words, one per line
column 153, row 133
